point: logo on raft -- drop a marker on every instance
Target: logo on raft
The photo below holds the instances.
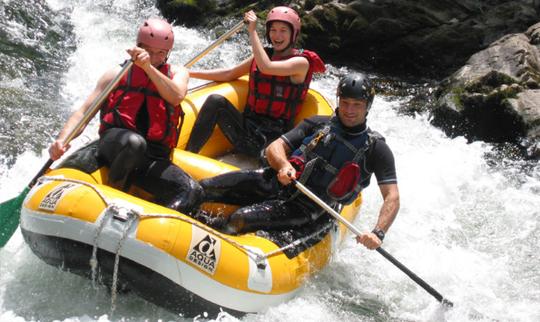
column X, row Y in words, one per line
column 51, row 200
column 204, row 250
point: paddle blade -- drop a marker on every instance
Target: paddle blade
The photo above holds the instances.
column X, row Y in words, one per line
column 10, row 213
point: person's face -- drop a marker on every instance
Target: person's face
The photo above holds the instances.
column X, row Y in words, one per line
column 157, row 55
column 280, row 35
column 352, row 112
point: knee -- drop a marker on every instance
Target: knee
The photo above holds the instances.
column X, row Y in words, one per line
column 234, row 225
column 136, row 144
column 214, row 102
column 198, row 194
column 216, row 98
column 187, row 198
column 230, row 229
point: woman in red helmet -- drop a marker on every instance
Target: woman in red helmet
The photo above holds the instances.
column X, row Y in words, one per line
column 140, row 121
column 279, row 78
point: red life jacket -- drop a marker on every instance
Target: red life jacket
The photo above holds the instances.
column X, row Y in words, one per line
column 136, row 92
column 277, row 96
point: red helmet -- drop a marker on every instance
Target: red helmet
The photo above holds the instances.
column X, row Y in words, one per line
column 287, row 15
column 156, row 33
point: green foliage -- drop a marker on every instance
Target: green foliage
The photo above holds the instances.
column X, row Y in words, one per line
column 490, row 81
column 456, row 96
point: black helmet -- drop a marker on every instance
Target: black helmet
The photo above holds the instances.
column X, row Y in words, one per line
column 357, row 86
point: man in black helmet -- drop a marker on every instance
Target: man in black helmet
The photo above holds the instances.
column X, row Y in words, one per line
column 334, row 156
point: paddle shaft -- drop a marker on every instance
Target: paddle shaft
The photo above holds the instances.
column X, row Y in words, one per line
column 10, row 209
column 216, row 43
column 96, row 104
column 381, row 251
column 90, row 112
column 415, row 277
column 99, row 100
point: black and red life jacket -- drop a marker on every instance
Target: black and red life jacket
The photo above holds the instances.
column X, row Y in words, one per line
column 134, row 93
column 276, row 96
column 329, row 150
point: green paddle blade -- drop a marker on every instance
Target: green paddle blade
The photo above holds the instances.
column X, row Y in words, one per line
column 10, row 213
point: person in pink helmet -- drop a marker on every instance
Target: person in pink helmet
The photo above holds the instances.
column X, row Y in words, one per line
column 279, row 78
column 140, row 123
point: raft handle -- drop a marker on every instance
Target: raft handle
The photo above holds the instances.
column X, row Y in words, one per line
column 260, row 261
column 120, row 213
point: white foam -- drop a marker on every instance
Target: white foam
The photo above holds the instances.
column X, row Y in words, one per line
column 468, row 229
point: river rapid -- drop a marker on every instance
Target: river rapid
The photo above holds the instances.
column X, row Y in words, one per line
column 468, row 224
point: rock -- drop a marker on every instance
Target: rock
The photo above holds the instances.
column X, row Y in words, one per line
column 527, row 105
column 430, row 38
column 496, row 96
column 187, row 12
column 492, row 97
column 421, row 38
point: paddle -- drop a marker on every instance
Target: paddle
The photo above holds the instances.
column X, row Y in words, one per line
column 216, row 43
column 381, row 251
column 10, row 209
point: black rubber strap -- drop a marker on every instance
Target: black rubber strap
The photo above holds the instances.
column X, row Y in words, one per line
column 379, row 233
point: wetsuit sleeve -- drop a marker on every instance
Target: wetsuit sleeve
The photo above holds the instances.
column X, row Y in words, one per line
column 381, row 162
column 294, row 137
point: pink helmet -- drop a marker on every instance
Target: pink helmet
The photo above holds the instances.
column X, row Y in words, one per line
column 156, row 33
column 287, row 15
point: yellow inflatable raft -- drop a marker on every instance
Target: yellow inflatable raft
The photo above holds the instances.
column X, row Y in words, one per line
column 73, row 220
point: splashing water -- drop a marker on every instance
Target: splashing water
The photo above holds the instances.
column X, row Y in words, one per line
column 467, row 226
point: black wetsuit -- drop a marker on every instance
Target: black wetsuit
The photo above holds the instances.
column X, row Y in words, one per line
column 267, row 205
column 132, row 160
column 248, row 132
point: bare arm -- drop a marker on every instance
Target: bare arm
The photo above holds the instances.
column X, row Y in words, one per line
column 181, row 78
column 223, row 74
column 172, row 90
column 390, row 206
column 295, row 67
column 58, row 147
column 387, row 214
column 277, row 155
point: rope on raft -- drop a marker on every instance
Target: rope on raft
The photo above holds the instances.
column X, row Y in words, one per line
column 258, row 258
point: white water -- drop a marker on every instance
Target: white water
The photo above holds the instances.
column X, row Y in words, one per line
column 468, row 228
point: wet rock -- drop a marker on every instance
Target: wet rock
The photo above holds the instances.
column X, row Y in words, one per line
column 187, row 12
column 490, row 97
column 421, row 38
column 495, row 96
column 430, row 38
